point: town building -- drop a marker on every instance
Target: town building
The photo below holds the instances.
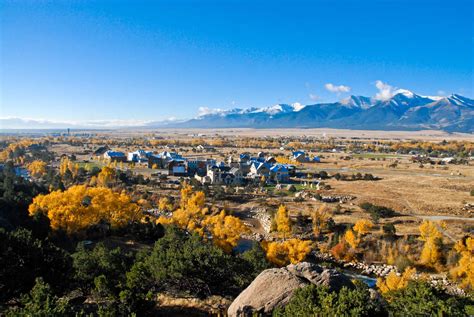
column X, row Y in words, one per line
column 115, row 156
column 139, row 156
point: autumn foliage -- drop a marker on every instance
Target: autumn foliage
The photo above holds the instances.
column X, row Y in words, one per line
column 464, row 270
column 106, row 176
column 363, row 227
column 283, row 221
column 352, row 239
column 341, row 251
column 66, row 165
column 165, row 204
column 80, row 207
column 225, row 230
column 289, row 251
column 37, row 168
column 431, row 253
column 394, row 281
column 320, row 219
column 192, row 215
column 354, row 236
column 284, row 160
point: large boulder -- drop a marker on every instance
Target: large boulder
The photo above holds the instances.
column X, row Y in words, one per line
column 274, row 287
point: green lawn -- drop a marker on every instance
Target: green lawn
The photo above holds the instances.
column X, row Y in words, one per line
column 90, row 165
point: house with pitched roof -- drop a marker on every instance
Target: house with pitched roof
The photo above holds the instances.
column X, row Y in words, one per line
column 115, row 156
column 279, row 173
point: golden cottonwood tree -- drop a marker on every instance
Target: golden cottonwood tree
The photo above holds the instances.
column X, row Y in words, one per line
column 395, row 282
column 283, row 221
column 186, row 192
column 431, row 253
column 354, row 236
column 193, row 215
column 320, row 219
column 351, row 238
column 165, row 204
column 464, row 271
column 67, row 165
column 289, row 251
column 106, row 176
column 80, row 207
column 225, row 230
column 64, row 165
column 37, row 168
column 363, row 227
column 284, row 160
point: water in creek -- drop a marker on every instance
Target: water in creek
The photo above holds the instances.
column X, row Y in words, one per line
column 370, row 281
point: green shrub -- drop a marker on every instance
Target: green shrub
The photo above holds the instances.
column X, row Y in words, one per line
column 421, row 299
column 101, row 268
column 24, row 258
column 41, row 302
column 181, row 262
column 315, row 300
column 377, row 212
column 389, row 230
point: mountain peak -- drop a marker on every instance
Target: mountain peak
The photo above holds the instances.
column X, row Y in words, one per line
column 460, row 100
column 357, row 101
column 404, row 92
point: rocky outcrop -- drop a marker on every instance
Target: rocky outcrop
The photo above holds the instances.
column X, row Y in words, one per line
column 274, row 287
column 263, row 216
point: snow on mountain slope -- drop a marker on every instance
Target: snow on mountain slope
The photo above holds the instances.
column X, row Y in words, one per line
column 404, row 110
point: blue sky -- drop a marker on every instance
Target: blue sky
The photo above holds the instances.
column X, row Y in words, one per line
column 151, row 60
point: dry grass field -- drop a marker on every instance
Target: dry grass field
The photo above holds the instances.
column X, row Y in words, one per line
column 429, row 135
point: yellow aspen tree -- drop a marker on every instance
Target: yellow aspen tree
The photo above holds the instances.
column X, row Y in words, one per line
column 283, row 221
column 289, row 251
column 185, row 193
column 394, row 282
column 351, row 238
column 298, row 249
column 63, row 165
column 464, row 270
column 165, row 204
column 93, row 181
column 363, row 227
column 431, row 252
column 37, row 168
column 193, row 215
column 225, row 230
column 74, row 169
column 106, row 176
column 320, row 220
column 80, row 206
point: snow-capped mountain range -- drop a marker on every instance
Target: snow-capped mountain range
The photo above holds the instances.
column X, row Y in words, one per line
column 271, row 110
column 404, row 110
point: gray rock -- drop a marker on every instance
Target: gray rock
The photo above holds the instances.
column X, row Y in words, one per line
column 274, row 287
column 318, row 275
